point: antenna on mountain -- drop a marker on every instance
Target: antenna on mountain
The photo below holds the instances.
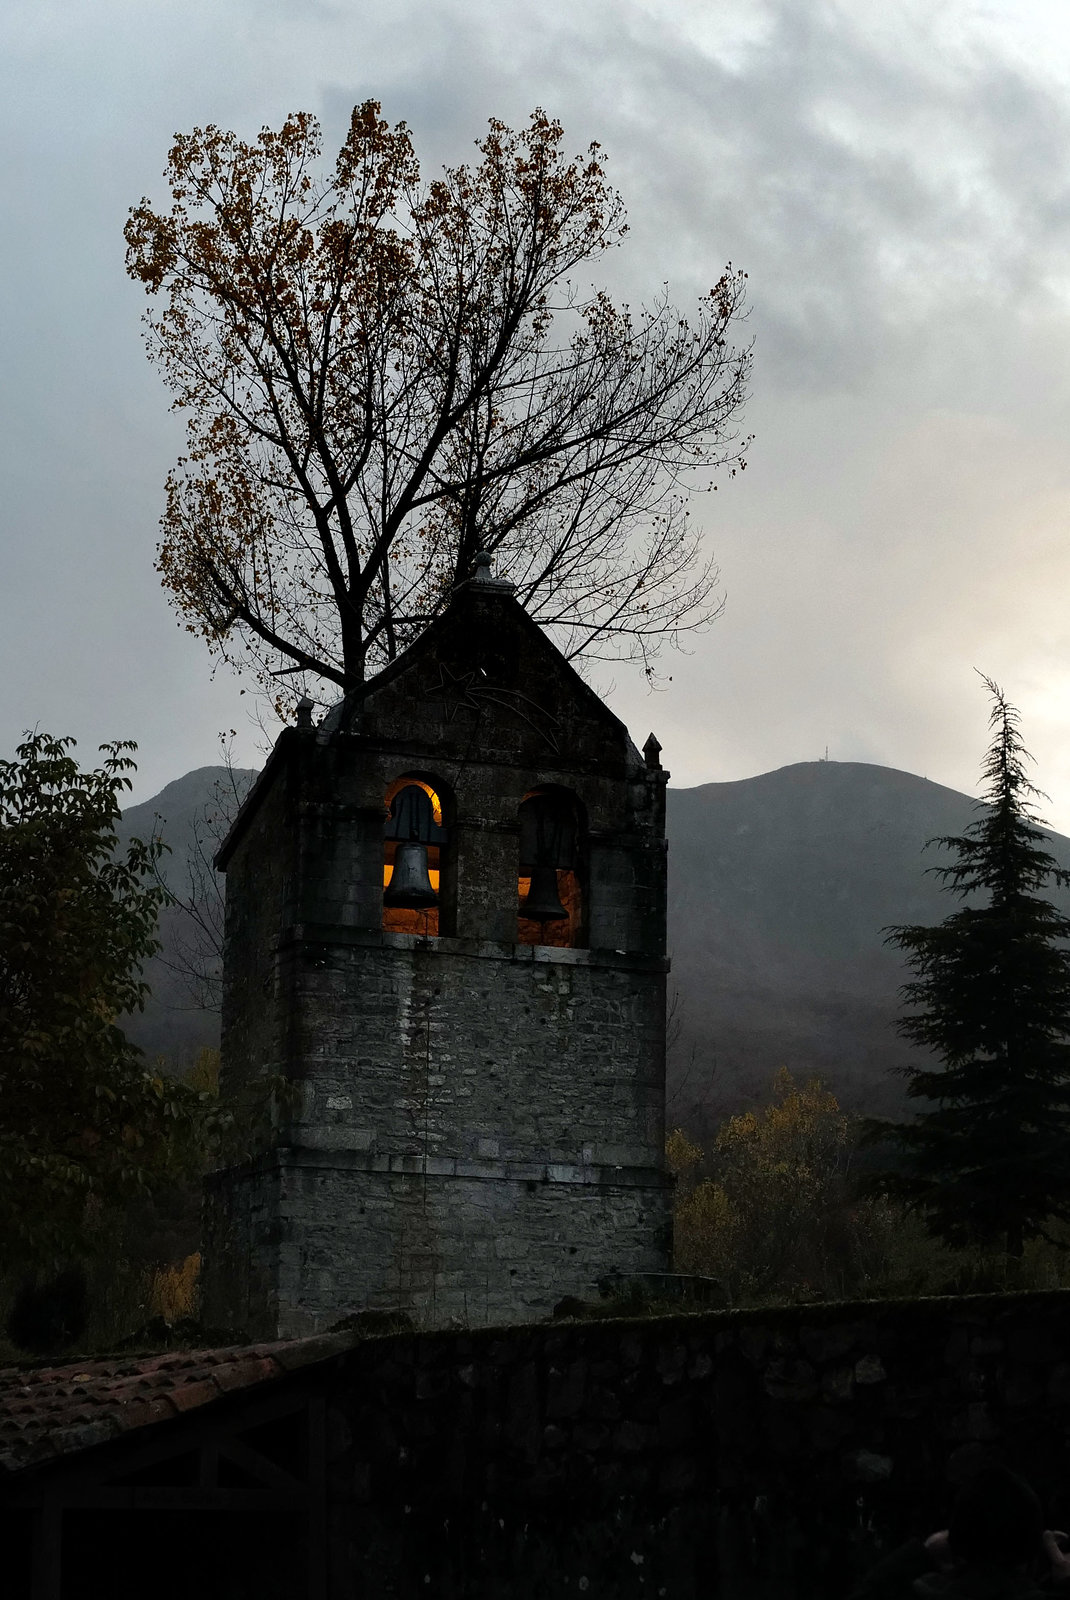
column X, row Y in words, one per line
column 826, row 752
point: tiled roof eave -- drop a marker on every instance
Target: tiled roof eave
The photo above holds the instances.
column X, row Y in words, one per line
column 54, row 1412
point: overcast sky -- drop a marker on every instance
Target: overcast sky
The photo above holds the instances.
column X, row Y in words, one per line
column 895, row 179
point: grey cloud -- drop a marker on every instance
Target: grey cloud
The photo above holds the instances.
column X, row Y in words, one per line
column 898, row 195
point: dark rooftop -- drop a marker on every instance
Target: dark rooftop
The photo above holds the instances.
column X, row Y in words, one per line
column 50, row 1412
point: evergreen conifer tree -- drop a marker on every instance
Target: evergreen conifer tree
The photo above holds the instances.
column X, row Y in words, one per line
column 989, row 1164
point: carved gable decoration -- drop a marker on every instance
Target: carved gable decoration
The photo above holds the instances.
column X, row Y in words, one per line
column 487, row 682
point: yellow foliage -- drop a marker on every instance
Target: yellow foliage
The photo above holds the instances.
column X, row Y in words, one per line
column 803, row 1129
column 778, row 1218
column 175, row 1289
column 681, row 1153
column 703, row 1230
column 204, row 1074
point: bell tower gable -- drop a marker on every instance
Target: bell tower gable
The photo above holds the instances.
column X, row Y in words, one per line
column 485, row 683
column 446, row 933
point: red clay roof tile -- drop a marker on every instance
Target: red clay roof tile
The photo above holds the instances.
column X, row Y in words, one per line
column 59, row 1410
column 240, row 1374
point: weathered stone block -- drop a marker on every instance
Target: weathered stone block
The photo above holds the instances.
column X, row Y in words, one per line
column 1032, row 1342
column 837, row 1383
column 973, row 1423
column 677, row 1423
column 565, row 1389
column 789, row 1379
column 827, row 1342
column 753, row 1342
column 867, row 1466
column 828, row 1428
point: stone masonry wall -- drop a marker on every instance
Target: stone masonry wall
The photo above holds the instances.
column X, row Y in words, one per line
column 738, row 1455
column 484, row 1053
column 260, row 888
column 340, row 1232
column 481, row 1135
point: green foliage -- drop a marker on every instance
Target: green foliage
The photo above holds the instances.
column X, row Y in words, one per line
column 991, row 997
column 85, row 1123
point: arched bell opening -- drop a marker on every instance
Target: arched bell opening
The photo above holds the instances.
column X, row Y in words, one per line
column 414, row 857
column 549, row 887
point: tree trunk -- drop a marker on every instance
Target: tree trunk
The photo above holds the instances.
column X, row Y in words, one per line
column 353, row 661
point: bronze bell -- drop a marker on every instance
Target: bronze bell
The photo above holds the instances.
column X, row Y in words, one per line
column 542, row 902
column 410, row 886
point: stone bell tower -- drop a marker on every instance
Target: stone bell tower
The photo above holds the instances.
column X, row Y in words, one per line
column 446, row 930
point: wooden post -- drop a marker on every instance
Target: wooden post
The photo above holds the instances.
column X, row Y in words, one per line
column 48, row 1551
column 317, row 1497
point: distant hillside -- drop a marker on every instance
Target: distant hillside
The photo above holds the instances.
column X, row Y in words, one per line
column 189, row 815
column 779, row 888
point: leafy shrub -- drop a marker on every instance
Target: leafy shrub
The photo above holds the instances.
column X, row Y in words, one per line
column 774, row 1212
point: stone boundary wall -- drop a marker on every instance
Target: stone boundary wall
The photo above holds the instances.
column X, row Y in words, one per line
column 729, row 1454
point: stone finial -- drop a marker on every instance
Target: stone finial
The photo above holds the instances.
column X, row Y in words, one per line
column 483, row 574
column 652, row 754
column 304, row 711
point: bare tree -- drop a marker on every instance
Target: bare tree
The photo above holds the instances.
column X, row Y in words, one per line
column 382, row 377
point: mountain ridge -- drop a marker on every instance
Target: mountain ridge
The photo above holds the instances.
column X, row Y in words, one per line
column 781, row 887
